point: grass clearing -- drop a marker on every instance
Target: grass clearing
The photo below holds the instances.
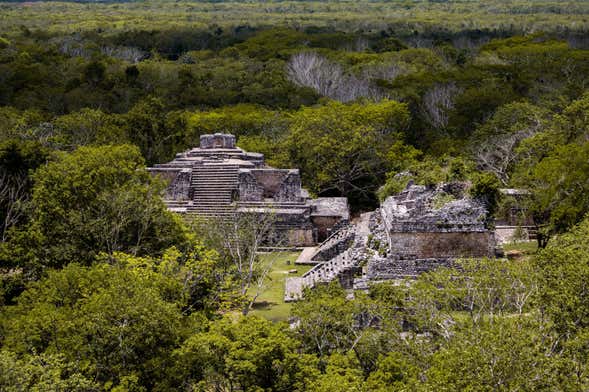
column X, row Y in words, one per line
column 526, row 248
column 270, row 304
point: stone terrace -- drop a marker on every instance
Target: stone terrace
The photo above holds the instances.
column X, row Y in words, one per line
column 218, row 180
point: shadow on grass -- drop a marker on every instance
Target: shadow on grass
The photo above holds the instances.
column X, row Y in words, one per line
column 263, row 305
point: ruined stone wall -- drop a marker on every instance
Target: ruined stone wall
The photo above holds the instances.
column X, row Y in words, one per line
column 280, row 185
column 178, row 182
column 395, row 268
column 300, row 237
column 249, row 189
column 217, row 140
column 290, row 188
column 440, row 245
column 269, row 180
column 325, row 225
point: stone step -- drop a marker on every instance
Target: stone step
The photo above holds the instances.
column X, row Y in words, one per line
column 202, row 186
column 215, row 170
column 213, row 180
column 224, row 190
column 221, row 195
column 221, row 173
column 197, row 182
column 271, row 204
column 209, row 203
column 218, row 191
column 213, row 209
column 212, row 198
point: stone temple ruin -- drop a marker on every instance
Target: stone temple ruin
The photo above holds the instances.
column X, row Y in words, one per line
column 415, row 231
column 218, row 179
column 412, row 232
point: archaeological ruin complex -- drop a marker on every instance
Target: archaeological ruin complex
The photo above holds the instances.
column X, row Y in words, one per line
column 219, row 179
column 415, row 231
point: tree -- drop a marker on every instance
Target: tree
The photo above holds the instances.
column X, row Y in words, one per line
column 239, row 120
column 149, row 127
column 341, row 149
column 238, row 240
column 89, row 127
column 99, row 199
column 496, row 142
column 17, row 160
column 113, row 321
column 327, row 323
column 559, row 185
column 310, row 69
column 437, row 102
column 40, row 373
column 410, row 164
column 485, row 187
column 244, row 354
column 507, row 354
column 564, row 266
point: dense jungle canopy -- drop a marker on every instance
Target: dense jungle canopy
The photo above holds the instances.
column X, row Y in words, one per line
column 103, row 289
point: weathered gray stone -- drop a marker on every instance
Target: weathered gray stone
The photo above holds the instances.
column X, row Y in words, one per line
column 413, row 232
column 217, row 140
column 219, row 180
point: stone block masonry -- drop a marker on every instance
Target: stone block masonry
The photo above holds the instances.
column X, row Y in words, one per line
column 418, row 230
column 218, row 180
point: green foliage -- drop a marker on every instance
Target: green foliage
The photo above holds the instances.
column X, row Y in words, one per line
column 42, row 373
column 424, row 170
column 560, row 187
column 248, row 353
column 238, row 120
column 112, row 321
column 88, row 127
column 565, row 270
column 98, row 199
column 485, row 187
column 441, row 199
column 342, row 147
column 153, row 130
column 507, row 352
column 77, row 81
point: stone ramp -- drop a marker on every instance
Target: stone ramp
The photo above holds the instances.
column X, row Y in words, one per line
column 306, row 256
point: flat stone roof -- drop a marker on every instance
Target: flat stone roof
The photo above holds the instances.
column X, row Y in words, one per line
column 330, row 206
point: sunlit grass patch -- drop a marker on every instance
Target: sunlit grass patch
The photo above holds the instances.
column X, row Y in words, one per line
column 270, row 303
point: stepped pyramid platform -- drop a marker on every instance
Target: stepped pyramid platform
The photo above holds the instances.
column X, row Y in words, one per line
column 218, row 180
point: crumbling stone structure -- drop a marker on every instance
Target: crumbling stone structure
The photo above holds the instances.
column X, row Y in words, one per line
column 427, row 227
column 218, row 179
column 415, row 231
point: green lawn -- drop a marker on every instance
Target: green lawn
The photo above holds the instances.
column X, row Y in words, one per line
column 270, row 304
column 527, row 248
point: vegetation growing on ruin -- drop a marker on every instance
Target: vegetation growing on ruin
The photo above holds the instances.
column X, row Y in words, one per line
column 101, row 288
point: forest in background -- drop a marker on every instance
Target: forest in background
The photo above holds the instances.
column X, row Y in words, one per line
column 103, row 289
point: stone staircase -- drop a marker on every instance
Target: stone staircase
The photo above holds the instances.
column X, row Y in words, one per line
column 214, row 185
column 338, row 242
column 343, row 265
column 336, row 268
